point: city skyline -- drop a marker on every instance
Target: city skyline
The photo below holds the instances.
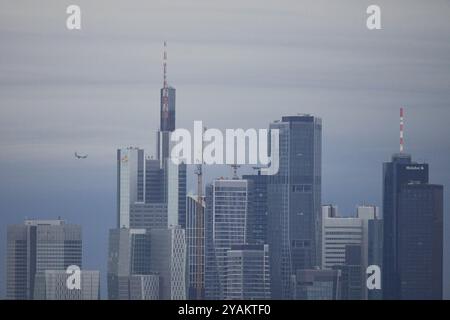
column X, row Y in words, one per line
column 40, row 155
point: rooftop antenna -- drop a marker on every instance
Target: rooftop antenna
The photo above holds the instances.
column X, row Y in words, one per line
column 235, row 167
column 257, row 169
column 401, row 130
column 165, row 65
column 165, row 102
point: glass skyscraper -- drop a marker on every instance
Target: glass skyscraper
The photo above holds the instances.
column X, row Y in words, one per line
column 398, row 172
column 130, row 182
column 420, row 241
column 128, row 254
column 37, row 246
column 247, row 272
column 294, row 201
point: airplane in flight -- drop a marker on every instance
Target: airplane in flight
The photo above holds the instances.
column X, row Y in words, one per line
column 79, row 156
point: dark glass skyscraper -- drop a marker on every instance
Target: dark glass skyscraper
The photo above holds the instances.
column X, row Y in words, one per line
column 420, row 236
column 294, row 202
column 258, row 214
column 397, row 173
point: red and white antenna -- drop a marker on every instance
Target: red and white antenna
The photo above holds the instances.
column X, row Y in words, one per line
column 401, row 131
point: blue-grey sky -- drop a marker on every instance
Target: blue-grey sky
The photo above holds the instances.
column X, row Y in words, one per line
column 235, row 63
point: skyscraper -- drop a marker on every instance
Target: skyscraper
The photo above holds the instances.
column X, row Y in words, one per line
column 247, row 272
column 148, row 215
column 130, row 182
column 212, row 288
column 372, row 249
column 399, row 172
column 337, row 233
column 154, row 182
column 343, row 236
column 144, row 287
column 176, row 193
column 420, row 241
column 168, row 259
column 352, row 280
column 294, row 201
column 128, row 254
column 195, row 245
column 52, row 285
column 229, row 214
column 258, row 214
column 315, row 284
column 37, row 246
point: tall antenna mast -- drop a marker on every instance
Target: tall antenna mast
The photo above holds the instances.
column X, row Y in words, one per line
column 165, row 65
column 401, row 130
column 165, row 90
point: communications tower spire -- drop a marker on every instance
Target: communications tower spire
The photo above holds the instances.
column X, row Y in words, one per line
column 401, row 131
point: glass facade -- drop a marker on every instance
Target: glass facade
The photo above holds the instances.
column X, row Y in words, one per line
column 294, row 201
column 420, row 241
column 37, row 246
column 400, row 171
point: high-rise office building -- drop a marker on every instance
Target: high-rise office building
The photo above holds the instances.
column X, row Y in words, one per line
column 212, row 289
column 130, row 182
column 361, row 232
column 195, row 245
column 294, row 201
column 258, row 215
column 352, row 280
column 128, row 254
column 420, row 241
column 176, row 194
column 37, row 246
column 337, row 233
column 52, row 285
column 372, row 248
column 400, row 171
column 247, row 272
column 154, row 182
column 229, row 213
column 168, row 259
column 144, row 287
column 148, row 215
column 315, row 284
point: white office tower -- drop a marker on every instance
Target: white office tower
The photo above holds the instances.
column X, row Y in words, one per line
column 337, row 233
column 350, row 244
column 230, row 211
column 130, row 182
column 168, row 259
column 175, row 175
column 53, row 285
column 247, row 272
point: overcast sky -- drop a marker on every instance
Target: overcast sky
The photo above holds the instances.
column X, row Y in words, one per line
column 235, row 63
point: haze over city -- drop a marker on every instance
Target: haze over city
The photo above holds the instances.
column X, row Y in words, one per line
column 235, row 64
